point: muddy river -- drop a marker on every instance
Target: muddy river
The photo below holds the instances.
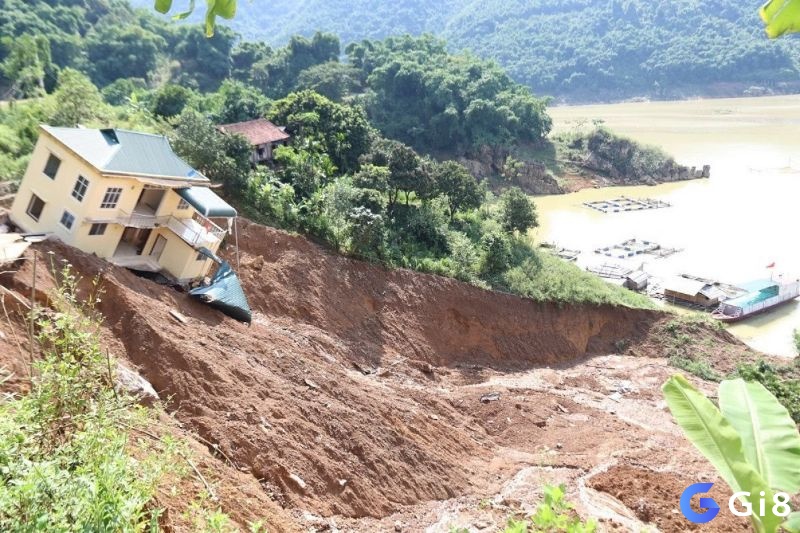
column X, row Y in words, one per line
column 729, row 227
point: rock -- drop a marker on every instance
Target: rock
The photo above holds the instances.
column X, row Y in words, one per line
column 398, row 526
column 132, row 383
column 483, row 524
column 298, row 481
column 491, row 397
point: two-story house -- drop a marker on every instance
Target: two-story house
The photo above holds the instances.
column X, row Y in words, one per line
column 124, row 196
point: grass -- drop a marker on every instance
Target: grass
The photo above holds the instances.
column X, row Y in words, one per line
column 560, row 281
column 797, row 339
column 75, row 453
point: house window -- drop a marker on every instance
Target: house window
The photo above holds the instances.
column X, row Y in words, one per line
column 183, row 204
column 201, row 256
column 51, row 168
column 79, row 190
column 98, row 229
column 67, row 219
column 35, row 207
column 111, row 198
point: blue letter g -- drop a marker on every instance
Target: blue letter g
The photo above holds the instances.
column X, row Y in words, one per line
column 711, row 507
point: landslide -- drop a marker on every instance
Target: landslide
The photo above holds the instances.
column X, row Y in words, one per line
column 351, row 392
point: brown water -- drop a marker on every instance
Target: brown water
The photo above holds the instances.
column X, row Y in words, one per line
column 730, row 226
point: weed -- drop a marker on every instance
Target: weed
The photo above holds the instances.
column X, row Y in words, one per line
column 700, row 369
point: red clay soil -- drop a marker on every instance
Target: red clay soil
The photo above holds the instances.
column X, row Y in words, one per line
column 355, row 395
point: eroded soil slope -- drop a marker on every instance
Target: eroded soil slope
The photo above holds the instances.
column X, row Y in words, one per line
column 354, row 398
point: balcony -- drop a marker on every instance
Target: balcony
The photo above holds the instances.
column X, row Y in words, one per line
column 197, row 231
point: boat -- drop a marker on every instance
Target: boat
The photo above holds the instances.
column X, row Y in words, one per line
column 760, row 296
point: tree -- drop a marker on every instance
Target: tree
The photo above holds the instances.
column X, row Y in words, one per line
column 27, row 61
column 76, row 100
column 170, row 100
column 372, row 177
column 120, row 91
column 306, row 167
column 405, row 172
column 517, row 211
column 342, row 130
column 116, row 51
column 240, row 102
column 333, row 80
column 224, row 158
column 461, row 188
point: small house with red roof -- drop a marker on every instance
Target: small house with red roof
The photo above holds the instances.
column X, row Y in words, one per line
column 264, row 137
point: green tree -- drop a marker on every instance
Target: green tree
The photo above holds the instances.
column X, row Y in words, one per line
column 27, row 61
column 342, row 130
column 240, row 102
column 76, row 100
column 496, row 248
column 305, row 168
column 170, row 100
column 223, row 158
column 517, row 211
column 116, row 51
column 372, row 177
column 333, row 80
column 120, row 91
column 461, row 188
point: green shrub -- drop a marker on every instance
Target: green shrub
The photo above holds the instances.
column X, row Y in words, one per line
column 783, row 382
column 65, row 458
column 554, row 515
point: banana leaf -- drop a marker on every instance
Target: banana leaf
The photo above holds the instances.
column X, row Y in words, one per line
column 719, row 442
column 792, row 525
column 771, row 443
column 780, row 17
column 163, row 6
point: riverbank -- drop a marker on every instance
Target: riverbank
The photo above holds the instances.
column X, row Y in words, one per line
column 729, row 227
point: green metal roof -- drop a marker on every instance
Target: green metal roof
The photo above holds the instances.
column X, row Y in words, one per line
column 206, row 202
column 126, row 152
column 758, row 291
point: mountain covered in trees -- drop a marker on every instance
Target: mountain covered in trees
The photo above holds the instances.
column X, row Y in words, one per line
column 572, row 50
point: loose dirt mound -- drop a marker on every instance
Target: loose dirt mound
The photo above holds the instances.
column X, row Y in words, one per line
column 357, row 391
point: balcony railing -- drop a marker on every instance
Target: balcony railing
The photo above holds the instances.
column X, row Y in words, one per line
column 197, row 231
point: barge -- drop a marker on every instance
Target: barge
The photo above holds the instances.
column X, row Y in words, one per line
column 761, row 296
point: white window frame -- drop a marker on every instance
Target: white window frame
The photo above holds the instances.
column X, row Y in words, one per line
column 106, row 204
column 69, row 228
column 81, row 181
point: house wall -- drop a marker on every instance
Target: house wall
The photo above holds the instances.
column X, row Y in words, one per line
column 178, row 258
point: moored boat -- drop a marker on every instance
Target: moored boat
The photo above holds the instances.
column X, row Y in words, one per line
column 761, row 296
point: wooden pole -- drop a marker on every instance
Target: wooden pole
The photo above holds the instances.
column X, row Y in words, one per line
column 33, row 313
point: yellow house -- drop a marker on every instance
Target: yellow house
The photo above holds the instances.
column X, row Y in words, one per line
column 124, row 196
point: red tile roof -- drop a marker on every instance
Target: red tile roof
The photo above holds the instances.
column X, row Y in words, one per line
column 258, row 131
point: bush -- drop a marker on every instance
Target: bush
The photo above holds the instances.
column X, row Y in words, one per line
column 65, row 463
column 496, row 248
column 783, row 382
column 517, row 211
column 366, row 232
